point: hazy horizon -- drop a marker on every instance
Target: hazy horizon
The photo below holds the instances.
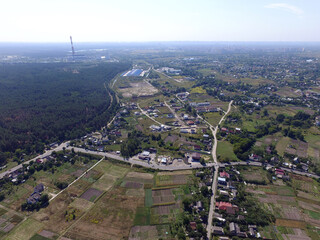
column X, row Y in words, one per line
column 126, row 21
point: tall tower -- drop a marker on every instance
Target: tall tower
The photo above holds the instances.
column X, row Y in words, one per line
column 72, row 48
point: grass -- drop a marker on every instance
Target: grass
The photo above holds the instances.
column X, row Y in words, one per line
column 282, row 145
column 313, row 214
column 26, row 230
column 148, row 198
column 2, row 211
column 213, row 117
column 198, row 90
column 143, row 216
column 291, row 223
column 285, row 230
column 39, row 237
column 225, row 151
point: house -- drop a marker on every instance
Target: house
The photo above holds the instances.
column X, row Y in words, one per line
column 117, row 133
column 193, row 225
column 145, row 153
column 242, row 234
column 223, row 205
column 254, row 157
column 39, row 188
column 217, row 230
column 252, row 233
column 222, row 181
column 184, row 131
column 152, row 150
column 224, row 130
column 274, row 159
column 196, row 147
column 226, row 205
column 230, row 211
column 35, row 196
column 222, row 192
column 190, row 122
column 234, row 228
column 238, row 130
column 224, row 174
column 199, row 205
column 196, row 156
column 164, row 160
column 279, row 171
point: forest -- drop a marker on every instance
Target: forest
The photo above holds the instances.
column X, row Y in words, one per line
column 46, row 102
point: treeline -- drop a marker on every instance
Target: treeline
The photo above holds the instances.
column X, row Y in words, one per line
column 44, row 103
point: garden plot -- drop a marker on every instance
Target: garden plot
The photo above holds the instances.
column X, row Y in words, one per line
column 91, row 194
column 162, row 196
column 298, row 148
column 149, row 232
column 25, row 230
column 112, row 216
column 275, row 198
column 172, row 178
column 48, row 234
column 166, row 209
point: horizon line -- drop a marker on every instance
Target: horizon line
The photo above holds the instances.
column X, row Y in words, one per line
column 170, row 41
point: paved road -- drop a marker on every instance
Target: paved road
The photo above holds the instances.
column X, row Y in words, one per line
column 136, row 161
column 215, row 176
column 47, row 153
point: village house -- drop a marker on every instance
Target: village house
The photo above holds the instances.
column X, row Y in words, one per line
column 196, row 156
column 222, row 181
column 224, row 174
column 217, row 230
column 35, row 196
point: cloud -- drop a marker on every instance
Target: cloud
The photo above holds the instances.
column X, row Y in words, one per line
column 286, row 7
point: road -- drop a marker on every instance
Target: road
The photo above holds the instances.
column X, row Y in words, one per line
column 215, row 176
column 47, row 153
column 136, row 161
column 175, row 115
column 144, row 113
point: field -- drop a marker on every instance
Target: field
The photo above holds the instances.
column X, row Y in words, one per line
column 138, row 89
column 112, row 201
column 225, row 152
column 26, row 230
column 296, row 206
column 254, row 174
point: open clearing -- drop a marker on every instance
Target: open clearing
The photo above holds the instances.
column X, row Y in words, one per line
column 138, row 89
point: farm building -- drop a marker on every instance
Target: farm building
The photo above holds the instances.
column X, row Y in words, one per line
column 196, row 156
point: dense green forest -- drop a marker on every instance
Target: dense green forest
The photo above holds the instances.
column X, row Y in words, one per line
column 43, row 103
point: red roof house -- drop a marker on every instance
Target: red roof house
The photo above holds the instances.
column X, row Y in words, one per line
column 224, row 174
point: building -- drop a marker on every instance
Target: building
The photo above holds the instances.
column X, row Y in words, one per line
column 234, row 228
column 217, row 230
column 222, row 181
column 36, row 195
column 226, row 205
column 196, row 156
column 193, row 225
column 224, row 174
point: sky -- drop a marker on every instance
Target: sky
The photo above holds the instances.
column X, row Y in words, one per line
column 159, row 20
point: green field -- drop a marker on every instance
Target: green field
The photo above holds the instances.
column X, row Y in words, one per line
column 25, row 230
column 225, row 151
